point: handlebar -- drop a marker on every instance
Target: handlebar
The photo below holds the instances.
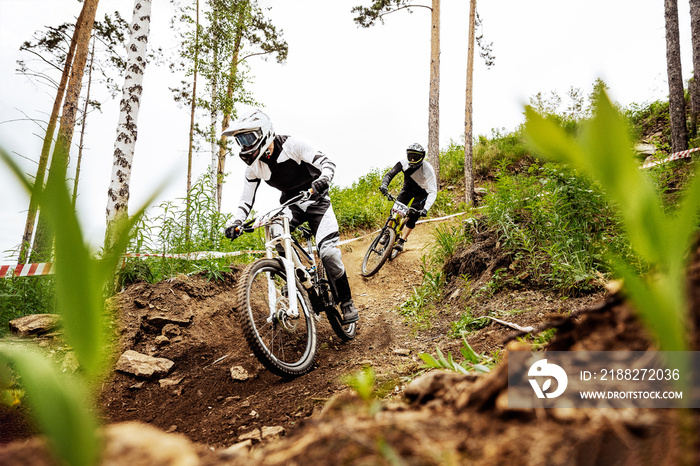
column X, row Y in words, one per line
column 247, row 227
column 391, row 198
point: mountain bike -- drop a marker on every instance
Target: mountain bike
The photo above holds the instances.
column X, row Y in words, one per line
column 382, row 246
column 281, row 296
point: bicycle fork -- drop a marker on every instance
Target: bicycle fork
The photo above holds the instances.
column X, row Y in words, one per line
column 285, row 239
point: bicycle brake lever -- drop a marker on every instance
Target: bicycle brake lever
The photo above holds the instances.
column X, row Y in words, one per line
column 247, row 227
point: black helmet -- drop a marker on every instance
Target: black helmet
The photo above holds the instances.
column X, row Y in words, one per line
column 415, row 154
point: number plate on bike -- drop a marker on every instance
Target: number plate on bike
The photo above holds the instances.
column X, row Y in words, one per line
column 400, row 209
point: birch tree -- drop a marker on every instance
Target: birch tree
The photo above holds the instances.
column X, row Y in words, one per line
column 368, row 16
column 230, row 34
column 676, row 108
column 118, row 192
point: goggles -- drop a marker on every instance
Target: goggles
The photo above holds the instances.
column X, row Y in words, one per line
column 414, row 156
column 249, row 138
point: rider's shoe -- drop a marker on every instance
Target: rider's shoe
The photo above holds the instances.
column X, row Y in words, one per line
column 349, row 313
column 399, row 244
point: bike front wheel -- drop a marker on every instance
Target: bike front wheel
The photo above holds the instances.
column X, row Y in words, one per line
column 285, row 344
column 378, row 252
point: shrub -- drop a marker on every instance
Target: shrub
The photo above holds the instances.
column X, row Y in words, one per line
column 362, row 206
column 22, row 296
column 556, row 225
column 604, row 152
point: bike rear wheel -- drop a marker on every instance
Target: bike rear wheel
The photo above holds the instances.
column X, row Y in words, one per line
column 378, row 252
column 344, row 332
column 285, row 345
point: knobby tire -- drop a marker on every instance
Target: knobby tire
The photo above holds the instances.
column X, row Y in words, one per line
column 344, row 332
column 286, row 347
column 378, row 252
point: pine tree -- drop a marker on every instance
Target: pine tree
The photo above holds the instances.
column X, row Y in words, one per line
column 676, row 108
column 368, row 16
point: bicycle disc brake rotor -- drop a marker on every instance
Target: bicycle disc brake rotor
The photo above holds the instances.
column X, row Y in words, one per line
column 287, row 322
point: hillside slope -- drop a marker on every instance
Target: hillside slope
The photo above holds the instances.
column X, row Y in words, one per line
column 199, row 411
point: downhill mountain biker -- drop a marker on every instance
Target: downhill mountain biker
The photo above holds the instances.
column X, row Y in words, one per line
column 419, row 184
column 291, row 166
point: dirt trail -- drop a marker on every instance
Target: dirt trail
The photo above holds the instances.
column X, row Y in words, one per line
column 211, row 408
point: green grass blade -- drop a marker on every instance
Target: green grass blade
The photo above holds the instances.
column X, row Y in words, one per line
column 58, row 402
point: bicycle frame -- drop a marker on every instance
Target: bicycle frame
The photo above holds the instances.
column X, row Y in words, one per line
column 398, row 216
column 277, row 216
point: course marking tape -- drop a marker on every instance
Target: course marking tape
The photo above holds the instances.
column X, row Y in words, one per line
column 672, row 157
column 46, row 268
column 26, row 270
column 197, row 255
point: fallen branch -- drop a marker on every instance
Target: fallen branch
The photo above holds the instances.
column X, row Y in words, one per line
column 512, row 325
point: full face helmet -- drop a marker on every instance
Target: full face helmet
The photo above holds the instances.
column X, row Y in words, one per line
column 415, row 154
column 253, row 133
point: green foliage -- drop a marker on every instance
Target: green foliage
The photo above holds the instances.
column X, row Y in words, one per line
column 604, row 152
column 467, row 323
column 472, row 361
column 452, row 164
column 646, row 118
column 361, row 206
column 539, row 341
column 418, row 307
column 508, row 149
column 60, row 403
column 22, row 296
column 163, row 232
column 556, row 224
column 446, row 240
column 363, row 382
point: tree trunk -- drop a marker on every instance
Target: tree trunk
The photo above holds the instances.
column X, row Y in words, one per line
column 83, row 125
column 41, row 250
column 214, row 104
column 46, row 147
column 468, row 148
column 191, row 141
column 434, row 98
column 118, row 192
column 695, row 34
column 679, row 133
column 227, row 115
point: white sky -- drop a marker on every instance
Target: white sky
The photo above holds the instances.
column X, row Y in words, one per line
column 359, row 95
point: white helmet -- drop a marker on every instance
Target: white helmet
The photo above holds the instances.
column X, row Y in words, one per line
column 254, row 133
column 415, row 154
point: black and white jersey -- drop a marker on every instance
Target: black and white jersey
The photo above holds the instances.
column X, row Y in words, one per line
column 418, row 182
column 291, row 167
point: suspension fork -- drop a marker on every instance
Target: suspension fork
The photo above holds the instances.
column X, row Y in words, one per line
column 285, row 239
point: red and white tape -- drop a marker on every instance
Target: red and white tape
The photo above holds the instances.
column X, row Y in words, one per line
column 678, row 155
column 197, row 255
column 47, row 268
column 26, row 270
